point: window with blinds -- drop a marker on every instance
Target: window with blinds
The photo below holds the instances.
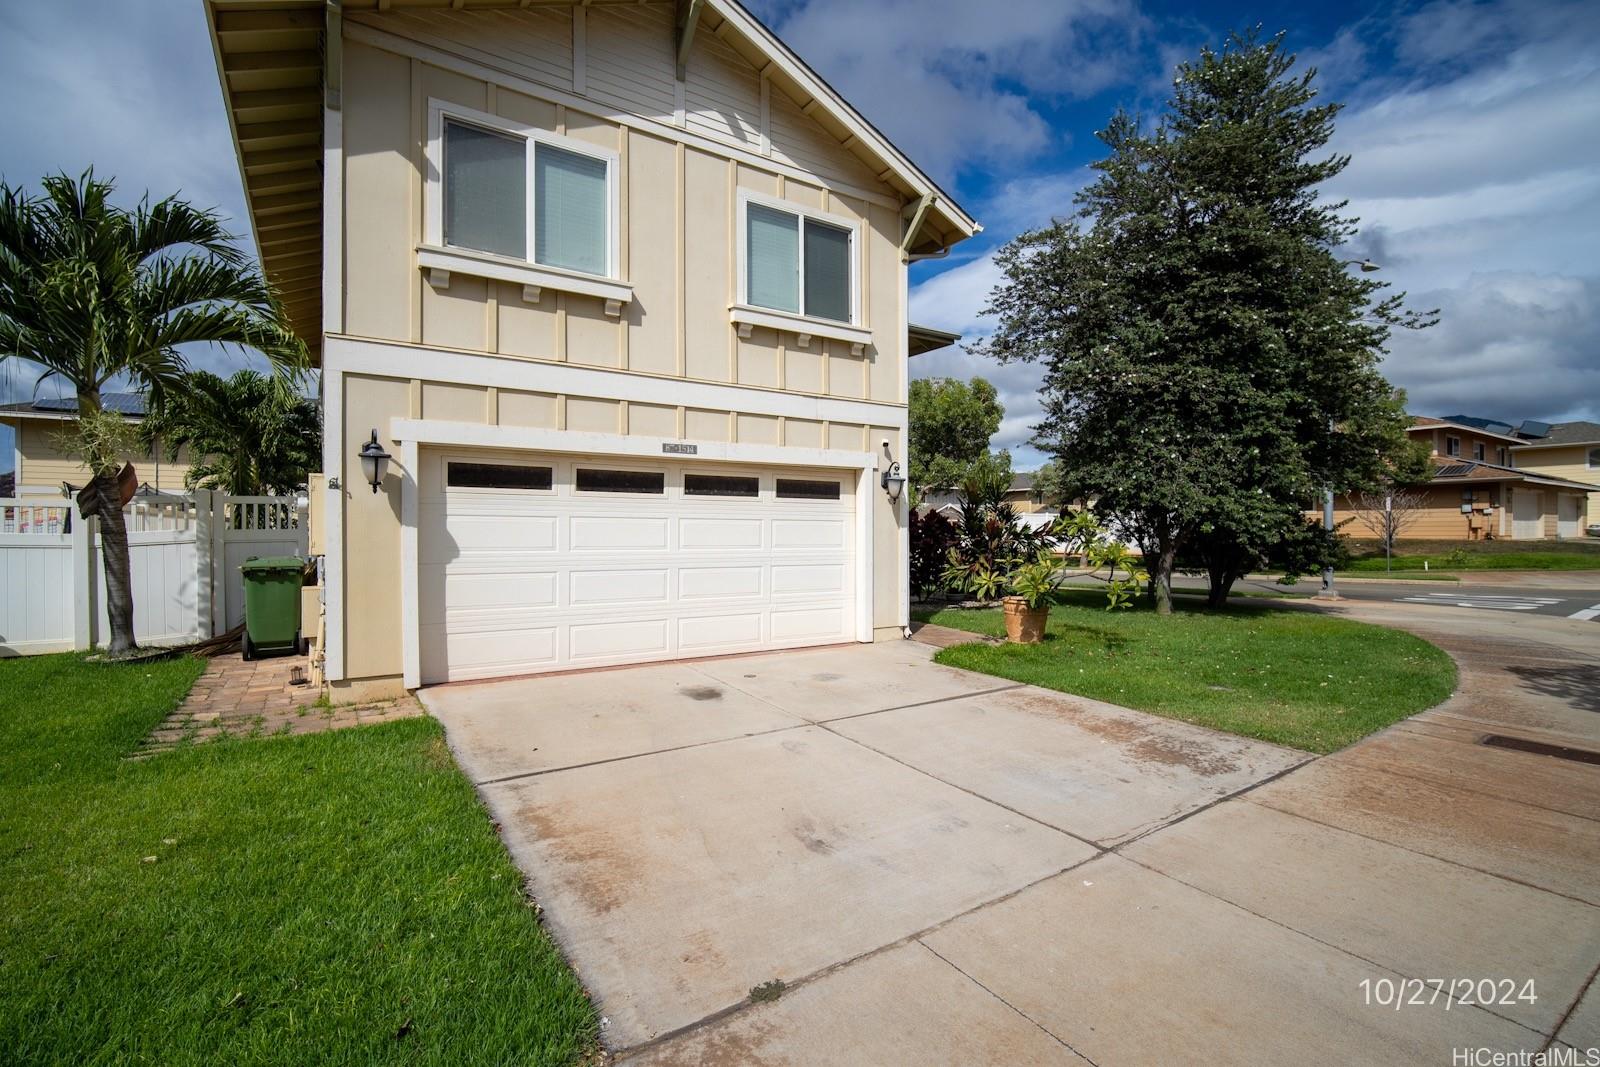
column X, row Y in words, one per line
column 493, row 178
column 569, row 210
column 797, row 264
column 485, row 191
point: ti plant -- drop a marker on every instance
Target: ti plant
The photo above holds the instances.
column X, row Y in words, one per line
column 995, row 554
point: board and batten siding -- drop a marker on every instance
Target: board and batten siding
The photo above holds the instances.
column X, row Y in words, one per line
column 678, row 211
column 684, row 150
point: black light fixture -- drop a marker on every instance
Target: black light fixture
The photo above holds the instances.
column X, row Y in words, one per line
column 893, row 481
column 374, row 461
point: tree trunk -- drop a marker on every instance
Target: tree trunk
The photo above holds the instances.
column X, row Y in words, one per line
column 1220, row 579
column 114, row 559
column 1161, row 577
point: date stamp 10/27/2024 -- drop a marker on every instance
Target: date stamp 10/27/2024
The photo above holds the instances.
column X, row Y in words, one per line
column 1398, row 993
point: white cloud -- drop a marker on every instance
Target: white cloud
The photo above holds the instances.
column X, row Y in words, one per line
column 953, row 82
column 1479, row 192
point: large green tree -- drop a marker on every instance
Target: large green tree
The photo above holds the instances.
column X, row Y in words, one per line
column 951, row 424
column 1211, row 362
column 246, row 435
column 95, row 294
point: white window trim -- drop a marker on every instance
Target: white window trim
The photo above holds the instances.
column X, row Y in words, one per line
column 440, row 260
column 1447, row 451
column 1588, row 455
column 746, row 315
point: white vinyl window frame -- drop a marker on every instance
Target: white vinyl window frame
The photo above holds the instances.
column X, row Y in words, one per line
column 1593, row 455
column 1452, row 445
column 440, row 259
column 745, row 314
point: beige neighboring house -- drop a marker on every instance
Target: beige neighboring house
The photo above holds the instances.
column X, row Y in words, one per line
column 42, row 470
column 1570, row 450
column 1482, row 489
column 621, row 288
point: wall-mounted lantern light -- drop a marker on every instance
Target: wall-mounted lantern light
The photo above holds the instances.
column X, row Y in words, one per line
column 374, row 462
column 893, row 481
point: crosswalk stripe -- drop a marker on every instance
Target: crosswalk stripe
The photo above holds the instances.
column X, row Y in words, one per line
column 1586, row 614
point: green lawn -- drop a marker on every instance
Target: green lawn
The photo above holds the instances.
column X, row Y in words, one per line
column 1298, row 678
column 1571, row 555
column 332, row 898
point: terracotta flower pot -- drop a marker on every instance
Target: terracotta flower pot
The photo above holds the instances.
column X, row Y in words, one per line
column 1024, row 625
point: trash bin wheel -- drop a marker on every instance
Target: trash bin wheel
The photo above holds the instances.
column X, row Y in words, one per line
column 248, row 647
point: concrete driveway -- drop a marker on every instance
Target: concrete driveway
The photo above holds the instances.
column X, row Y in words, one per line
column 945, row 867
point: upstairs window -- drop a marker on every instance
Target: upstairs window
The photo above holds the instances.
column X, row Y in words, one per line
column 798, row 263
column 1594, row 459
column 521, row 193
column 1478, row 451
column 1452, row 446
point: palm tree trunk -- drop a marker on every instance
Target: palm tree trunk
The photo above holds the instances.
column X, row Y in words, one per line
column 114, row 559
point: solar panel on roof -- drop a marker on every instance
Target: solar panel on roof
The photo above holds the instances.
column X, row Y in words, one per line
column 1535, row 428
column 1453, row 470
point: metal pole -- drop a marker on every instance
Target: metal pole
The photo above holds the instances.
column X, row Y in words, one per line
column 1327, row 592
column 1388, row 532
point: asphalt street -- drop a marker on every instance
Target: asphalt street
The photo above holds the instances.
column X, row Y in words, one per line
column 1560, row 601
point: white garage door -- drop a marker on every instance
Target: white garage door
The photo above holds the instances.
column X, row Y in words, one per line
column 533, row 563
column 1527, row 516
column 1567, row 524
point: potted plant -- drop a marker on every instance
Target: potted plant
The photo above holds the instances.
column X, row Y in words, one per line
column 1027, row 605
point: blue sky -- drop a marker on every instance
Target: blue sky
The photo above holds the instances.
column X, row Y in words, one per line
column 1472, row 126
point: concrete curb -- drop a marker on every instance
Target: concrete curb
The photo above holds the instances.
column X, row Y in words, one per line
column 1341, row 579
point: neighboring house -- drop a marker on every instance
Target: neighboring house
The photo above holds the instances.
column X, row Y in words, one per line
column 1022, row 496
column 1479, row 490
column 41, row 469
column 1570, row 451
column 622, row 289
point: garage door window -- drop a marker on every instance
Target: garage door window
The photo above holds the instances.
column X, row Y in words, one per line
column 498, row 476
column 592, row 480
column 807, row 489
column 720, row 485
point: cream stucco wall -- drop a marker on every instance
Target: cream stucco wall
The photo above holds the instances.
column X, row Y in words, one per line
column 475, row 350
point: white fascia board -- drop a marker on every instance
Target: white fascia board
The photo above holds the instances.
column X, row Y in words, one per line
column 389, row 359
column 533, row 439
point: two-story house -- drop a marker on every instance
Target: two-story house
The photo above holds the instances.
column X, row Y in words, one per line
column 620, row 288
column 1480, row 490
column 1570, row 451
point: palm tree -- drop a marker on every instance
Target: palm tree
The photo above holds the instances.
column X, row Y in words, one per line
column 247, row 435
column 94, row 293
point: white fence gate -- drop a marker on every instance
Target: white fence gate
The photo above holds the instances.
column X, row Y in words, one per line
column 184, row 554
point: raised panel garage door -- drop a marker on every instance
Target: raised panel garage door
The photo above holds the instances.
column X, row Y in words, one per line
column 531, row 563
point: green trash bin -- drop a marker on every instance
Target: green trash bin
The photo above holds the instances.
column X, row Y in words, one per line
column 272, row 604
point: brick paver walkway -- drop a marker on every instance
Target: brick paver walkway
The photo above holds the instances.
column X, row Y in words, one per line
column 235, row 698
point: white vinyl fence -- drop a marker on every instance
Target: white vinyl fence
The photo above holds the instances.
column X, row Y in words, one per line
column 184, row 552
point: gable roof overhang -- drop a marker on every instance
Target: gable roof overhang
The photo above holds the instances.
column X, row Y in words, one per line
column 1420, row 423
column 1474, row 472
column 270, row 58
column 278, row 64
column 921, row 339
